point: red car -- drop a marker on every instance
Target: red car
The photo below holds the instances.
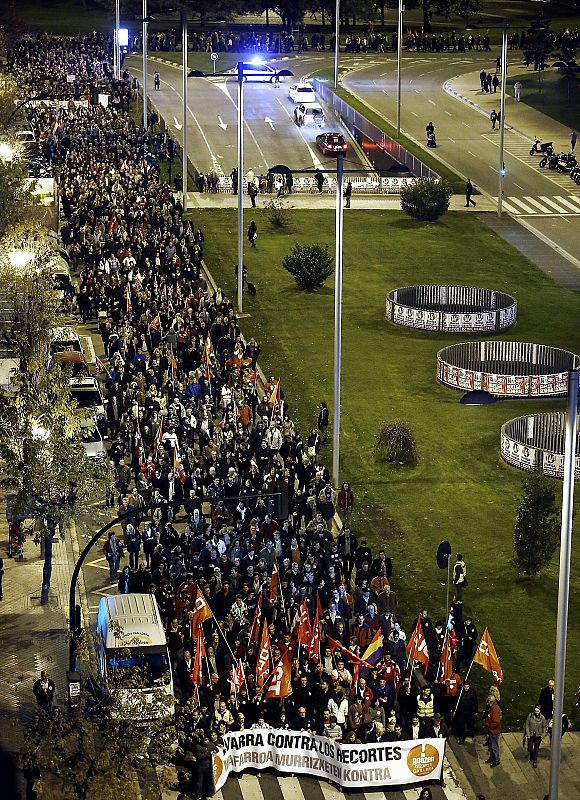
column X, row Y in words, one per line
column 331, row 144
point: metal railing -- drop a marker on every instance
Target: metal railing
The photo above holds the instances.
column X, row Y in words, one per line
column 536, row 441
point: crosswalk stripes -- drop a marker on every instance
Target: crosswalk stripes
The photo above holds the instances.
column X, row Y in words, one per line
column 518, row 146
column 271, row 786
column 542, row 205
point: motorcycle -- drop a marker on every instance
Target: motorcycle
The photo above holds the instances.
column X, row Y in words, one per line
column 431, row 140
column 540, row 147
column 551, row 161
column 566, row 162
column 575, row 174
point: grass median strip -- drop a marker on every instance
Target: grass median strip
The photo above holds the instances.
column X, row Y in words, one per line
column 459, row 491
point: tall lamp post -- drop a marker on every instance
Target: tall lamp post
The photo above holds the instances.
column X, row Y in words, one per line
column 117, row 43
column 484, row 398
column 336, row 35
column 339, row 218
column 399, row 55
column 144, row 34
column 501, row 169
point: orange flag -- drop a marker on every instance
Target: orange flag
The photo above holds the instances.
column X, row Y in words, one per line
column 201, row 612
column 178, row 467
column 314, row 643
column 281, row 685
column 417, row 646
column 487, row 657
column 446, row 659
column 263, row 663
column 255, row 632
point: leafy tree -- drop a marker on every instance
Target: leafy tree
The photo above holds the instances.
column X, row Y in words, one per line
column 446, row 8
column 278, row 212
column 539, row 46
column 537, row 528
column 95, row 750
column 310, row 265
column 427, row 199
column 568, row 68
column 17, row 199
column 396, row 443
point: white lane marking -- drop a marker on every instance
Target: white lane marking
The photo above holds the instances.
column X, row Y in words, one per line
column 519, row 187
column 382, row 75
column 416, row 91
column 567, row 202
column 466, row 125
column 413, row 113
column 410, row 82
column 250, row 131
column 432, row 103
column 222, row 124
column 493, row 169
column 521, row 203
column 451, row 140
column 535, row 202
column 383, row 91
column 449, row 114
column 472, row 154
column 178, row 125
column 250, row 787
column 509, row 207
column 549, row 202
column 269, row 122
column 374, row 83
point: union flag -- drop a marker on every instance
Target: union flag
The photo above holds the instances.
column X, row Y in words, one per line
column 281, row 678
column 487, row 657
column 417, row 646
column 263, row 663
column 201, row 613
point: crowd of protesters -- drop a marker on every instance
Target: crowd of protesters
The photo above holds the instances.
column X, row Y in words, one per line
column 246, row 520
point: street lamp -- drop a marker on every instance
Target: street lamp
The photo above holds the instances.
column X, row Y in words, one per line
column 399, row 54
column 477, row 398
column 6, row 152
column 144, row 35
column 240, row 79
column 336, row 35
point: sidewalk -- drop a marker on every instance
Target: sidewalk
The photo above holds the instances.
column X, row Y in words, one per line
column 521, row 118
column 391, row 202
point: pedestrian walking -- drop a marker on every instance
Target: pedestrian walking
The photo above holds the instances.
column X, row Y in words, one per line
column 253, row 192
column 113, row 551
column 465, row 714
column 492, row 721
column 573, row 139
column 252, row 234
column 482, row 77
column 234, row 177
column 468, row 202
column 44, row 689
column 156, row 80
column 289, row 182
column 499, row 119
column 535, row 728
column 319, row 178
column 495, row 83
column 322, row 423
column 517, row 90
column 546, row 699
column 348, row 194
column 493, row 118
column 345, row 503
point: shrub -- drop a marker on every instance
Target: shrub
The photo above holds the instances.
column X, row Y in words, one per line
column 537, row 529
column 427, row 199
column 396, row 443
column 310, row 264
column 278, row 212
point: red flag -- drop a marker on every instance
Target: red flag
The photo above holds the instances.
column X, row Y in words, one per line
column 417, row 646
column 138, row 437
column 159, row 437
column 207, row 357
column 446, row 660
column 314, row 643
column 348, row 654
column 172, row 363
column 304, row 631
column 487, row 657
column 275, row 582
column 201, row 612
column 155, row 323
column 263, row 663
column 281, row 685
column 196, row 673
column 100, row 367
column 128, row 298
column 255, row 631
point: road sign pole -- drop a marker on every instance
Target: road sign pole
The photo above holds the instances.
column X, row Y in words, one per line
column 117, row 43
column 184, row 122
column 240, row 186
column 337, row 321
column 502, row 120
column 144, row 33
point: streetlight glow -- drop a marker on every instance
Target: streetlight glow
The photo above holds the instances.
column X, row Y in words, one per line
column 7, row 152
column 20, row 258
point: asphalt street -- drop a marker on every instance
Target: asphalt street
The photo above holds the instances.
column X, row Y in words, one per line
column 465, row 139
column 270, row 134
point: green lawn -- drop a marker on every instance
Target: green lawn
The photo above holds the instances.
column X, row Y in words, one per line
column 460, row 490
column 551, row 95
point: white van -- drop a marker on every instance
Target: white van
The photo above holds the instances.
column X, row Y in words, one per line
column 132, row 649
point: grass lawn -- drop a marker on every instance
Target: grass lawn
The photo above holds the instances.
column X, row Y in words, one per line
column 553, row 98
column 460, row 491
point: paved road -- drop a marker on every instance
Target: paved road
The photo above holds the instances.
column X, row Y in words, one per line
column 550, row 203
column 270, row 135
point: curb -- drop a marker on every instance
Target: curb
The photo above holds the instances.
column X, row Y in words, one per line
column 448, row 88
column 82, row 592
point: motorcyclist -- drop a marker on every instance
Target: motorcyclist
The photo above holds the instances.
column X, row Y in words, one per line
column 430, row 129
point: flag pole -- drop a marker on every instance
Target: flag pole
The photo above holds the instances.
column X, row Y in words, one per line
column 461, row 688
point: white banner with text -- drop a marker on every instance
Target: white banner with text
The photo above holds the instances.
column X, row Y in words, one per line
column 349, row 766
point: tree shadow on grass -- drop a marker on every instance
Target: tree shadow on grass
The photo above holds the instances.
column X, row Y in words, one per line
column 293, row 290
column 405, row 223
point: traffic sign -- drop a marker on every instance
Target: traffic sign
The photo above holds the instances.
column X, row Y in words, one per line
column 214, row 56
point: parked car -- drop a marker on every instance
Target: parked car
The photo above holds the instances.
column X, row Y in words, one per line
column 301, row 93
column 87, row 395
column 64, row 339
column 93, row 441
column 331, row 144
column 77, row 361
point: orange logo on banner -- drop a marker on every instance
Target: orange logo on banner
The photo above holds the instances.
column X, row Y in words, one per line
column 422, row 760
column 218, row 767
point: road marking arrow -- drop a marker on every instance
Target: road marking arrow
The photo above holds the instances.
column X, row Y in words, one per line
column 270, row 123
column 222, row 124
column 178, row 125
